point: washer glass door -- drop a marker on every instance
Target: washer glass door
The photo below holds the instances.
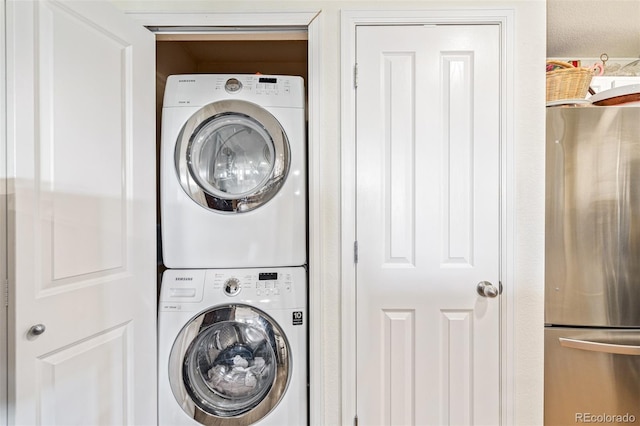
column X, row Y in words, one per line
column 233, row 362
column 232, row 156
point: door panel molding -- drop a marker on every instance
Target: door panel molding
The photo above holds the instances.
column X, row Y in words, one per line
column 457, row 377
column 100, row 249
column 93, row 356
column 399, row 381
column 350, row 19
column 398, row 178
column 457, row 70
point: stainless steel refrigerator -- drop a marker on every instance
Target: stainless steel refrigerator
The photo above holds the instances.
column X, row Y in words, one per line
column 592, row 272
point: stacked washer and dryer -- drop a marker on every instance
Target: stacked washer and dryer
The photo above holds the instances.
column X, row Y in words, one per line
column 232, row 311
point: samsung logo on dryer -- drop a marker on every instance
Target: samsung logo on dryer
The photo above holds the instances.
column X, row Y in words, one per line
column 184, row 278
column 186, row 81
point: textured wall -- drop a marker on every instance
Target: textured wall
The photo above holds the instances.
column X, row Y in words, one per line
column 588, row 28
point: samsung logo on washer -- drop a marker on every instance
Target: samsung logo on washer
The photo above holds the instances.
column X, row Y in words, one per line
column 184, row 278
column 186, row 81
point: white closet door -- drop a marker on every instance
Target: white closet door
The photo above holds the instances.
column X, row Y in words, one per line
column 81, row 164
column 428, row 224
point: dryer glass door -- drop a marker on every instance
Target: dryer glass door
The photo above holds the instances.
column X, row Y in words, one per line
column 232, row 156
column 235, row 366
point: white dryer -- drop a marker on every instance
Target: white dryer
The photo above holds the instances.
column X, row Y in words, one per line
column 232, row 347
column 233, row 171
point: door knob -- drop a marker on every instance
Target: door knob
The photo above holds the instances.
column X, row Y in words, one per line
column 36, row 330
column 486, row 289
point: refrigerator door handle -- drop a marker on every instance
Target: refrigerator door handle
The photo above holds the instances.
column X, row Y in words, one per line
column 609, row 348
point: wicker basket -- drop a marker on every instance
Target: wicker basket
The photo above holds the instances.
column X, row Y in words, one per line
column 567, row 82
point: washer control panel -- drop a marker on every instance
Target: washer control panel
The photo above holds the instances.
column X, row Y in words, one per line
column 254, row 283
column 192, row 290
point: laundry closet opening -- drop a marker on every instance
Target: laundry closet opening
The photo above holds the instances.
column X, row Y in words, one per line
column 224, row 50
column 231, row 155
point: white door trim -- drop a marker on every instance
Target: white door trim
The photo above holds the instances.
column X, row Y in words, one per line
column 4, row 198
column 350, row 19
column 258, row 18
column 313, row 21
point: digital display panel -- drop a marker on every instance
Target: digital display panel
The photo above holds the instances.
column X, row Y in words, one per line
column 268, row 276
column 267, row 80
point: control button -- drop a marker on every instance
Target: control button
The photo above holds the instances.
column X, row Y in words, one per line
column 231, row 287
column 233, row 85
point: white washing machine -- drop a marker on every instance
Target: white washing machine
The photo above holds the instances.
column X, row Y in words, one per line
column 232, row 347
column 233, row 171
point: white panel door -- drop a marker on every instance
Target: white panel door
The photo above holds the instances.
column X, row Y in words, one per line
column 81, row 144
column 428, row 226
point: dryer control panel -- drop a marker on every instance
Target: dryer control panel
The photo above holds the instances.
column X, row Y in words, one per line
column 258, row 85
column 197, row 90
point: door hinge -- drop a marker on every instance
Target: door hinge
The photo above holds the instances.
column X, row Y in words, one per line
column 355, row 252
column 355, row 76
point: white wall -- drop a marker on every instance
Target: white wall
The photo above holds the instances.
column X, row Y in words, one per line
column 588, row 28
column 526, row 313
